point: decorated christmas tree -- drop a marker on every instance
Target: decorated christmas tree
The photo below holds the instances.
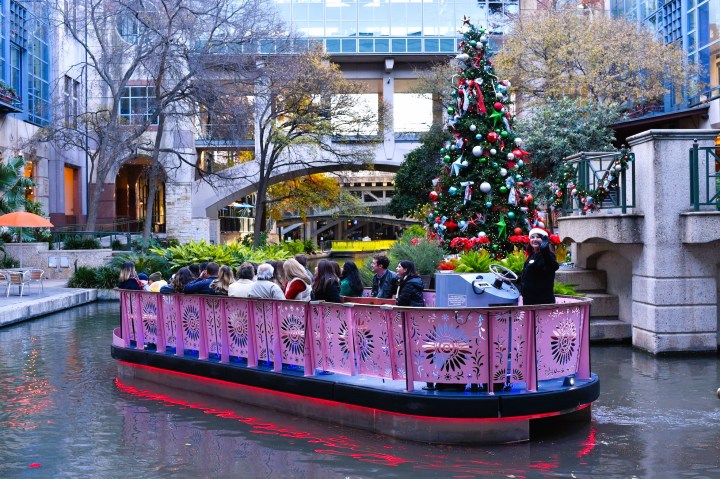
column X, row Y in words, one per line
column 482, row 196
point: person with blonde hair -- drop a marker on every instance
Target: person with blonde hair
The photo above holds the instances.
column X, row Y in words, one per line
column 224, row 279
column 299, row 285
column 128, row 278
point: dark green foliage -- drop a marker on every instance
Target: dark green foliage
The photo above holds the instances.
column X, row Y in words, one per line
column 80, row 242
column 412, row 180
column 426, row 254
column 309, row 246
column 105, row 277
column 83, row 278
column 565, row 289
column 8, row 262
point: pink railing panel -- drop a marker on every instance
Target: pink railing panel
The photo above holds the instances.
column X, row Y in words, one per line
column 503, row 338
column 127, row 317
column 334, row 339
column 238, row 326
column 190, row 321
column 213, row 324
column 149, row 316
column 559, row 340
column 291, row 316
column 373, row 344
column 168, row 319
column 447, row 346
column 264, row 330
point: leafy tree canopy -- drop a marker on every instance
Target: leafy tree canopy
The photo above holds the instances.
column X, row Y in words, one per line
column 412, row 180
column 554, row 54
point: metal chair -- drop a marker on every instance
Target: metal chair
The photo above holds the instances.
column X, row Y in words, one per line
column 35, row 275
column 17, row 279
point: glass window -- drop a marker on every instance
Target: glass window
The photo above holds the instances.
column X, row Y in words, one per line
column 714, row 21
column 363, row 104
column 137, row 104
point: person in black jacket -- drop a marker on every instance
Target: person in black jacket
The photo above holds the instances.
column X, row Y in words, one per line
column 538, row 276
column 410, row 286
column 202, row 284
column 326, row 286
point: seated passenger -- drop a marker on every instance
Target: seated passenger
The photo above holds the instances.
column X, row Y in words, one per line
column 298, row 283
column 265, row 287
column 155, row 282
column 410, row 289
column 202, row 284
column 224, row 279
column 327, row 285
column 241, row 287
column 384, row 283
column 350, row 282
column 128, row 278
column 178, row 281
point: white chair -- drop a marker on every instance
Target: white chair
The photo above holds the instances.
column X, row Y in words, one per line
column 35, row 275
column 17, row 279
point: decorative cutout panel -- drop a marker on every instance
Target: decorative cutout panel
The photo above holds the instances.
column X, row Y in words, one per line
column 558, row 338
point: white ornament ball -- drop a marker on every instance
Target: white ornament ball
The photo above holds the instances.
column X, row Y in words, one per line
column 499, row 94
column 618, row 167
column 477, row 150
column 485, row 187
column 524, row 209
column 510, row 156
column 462, row 224
column 520, row 163
column 436, row 226
column 482, row 234
column 573, row 192
column 518, row 141
column 463, row 57
column 473, row 127
column 493, row 151
column 503, row 172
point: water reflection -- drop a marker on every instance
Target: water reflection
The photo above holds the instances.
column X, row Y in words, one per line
column 65, row 413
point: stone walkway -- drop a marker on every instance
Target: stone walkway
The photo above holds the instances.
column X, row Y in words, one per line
column 35, row 302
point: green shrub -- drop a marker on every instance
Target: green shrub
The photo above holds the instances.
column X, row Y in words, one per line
column 232, row 254
column 80, row 242
column 515, row 261
column 8, row 262
column 117, row 245
column 309, row 247
column 83, row 277
column 474, row 262
column 106, row 277
column 565, row 289
column 426, row 254
column 415, row 231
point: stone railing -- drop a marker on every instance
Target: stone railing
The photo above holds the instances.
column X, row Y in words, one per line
column 455, row 346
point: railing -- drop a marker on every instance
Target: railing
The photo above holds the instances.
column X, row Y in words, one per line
column 456, row 346
column 704, row 177
column 358, row 246
column 603, row 171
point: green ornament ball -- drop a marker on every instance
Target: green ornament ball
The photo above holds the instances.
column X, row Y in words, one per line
column 447, row 158
column 442, row 151
column 503, row 189
column 451, row 111
column 494, row 164
column 473, row 43
column 482, row 160
column 495, row 247
column 504, row 134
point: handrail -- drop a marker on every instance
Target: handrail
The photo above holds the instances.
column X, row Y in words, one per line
column 604, row 175
column 703, row 166
column 455, row 346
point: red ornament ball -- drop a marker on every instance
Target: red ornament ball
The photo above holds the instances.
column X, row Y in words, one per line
column 492, row 137
column 433, row 196
column 517, row 231
column 559, row 194
column 528, row 199
column 498, row 106
column 438, row 220
column 517, row 152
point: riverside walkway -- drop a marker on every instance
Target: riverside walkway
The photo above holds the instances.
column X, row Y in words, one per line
column 35, row 301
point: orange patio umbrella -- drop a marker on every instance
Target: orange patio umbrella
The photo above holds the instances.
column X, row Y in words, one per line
column 23, row 219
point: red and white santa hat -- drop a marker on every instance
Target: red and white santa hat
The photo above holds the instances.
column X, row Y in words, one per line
column 538, row 231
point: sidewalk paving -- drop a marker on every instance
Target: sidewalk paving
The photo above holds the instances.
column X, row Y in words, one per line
column 35, row 302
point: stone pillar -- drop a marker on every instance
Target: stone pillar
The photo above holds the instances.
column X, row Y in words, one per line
column 388, row 96
column 674, row 291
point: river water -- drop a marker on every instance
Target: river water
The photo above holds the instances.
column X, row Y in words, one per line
column 64, row 414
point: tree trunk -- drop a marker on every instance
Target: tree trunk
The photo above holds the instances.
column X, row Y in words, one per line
column 152, row 179
column 93, row 205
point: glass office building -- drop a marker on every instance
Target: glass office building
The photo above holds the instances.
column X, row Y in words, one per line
column 393, row 26
column 694, row 24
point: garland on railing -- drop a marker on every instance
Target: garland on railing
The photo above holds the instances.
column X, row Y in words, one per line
column 590, row 199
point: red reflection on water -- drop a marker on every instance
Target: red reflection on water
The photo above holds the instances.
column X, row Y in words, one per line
column 24, row 397
column 589, row 443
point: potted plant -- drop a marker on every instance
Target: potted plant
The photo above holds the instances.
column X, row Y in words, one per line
column 8, row 94
column 425, row 253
